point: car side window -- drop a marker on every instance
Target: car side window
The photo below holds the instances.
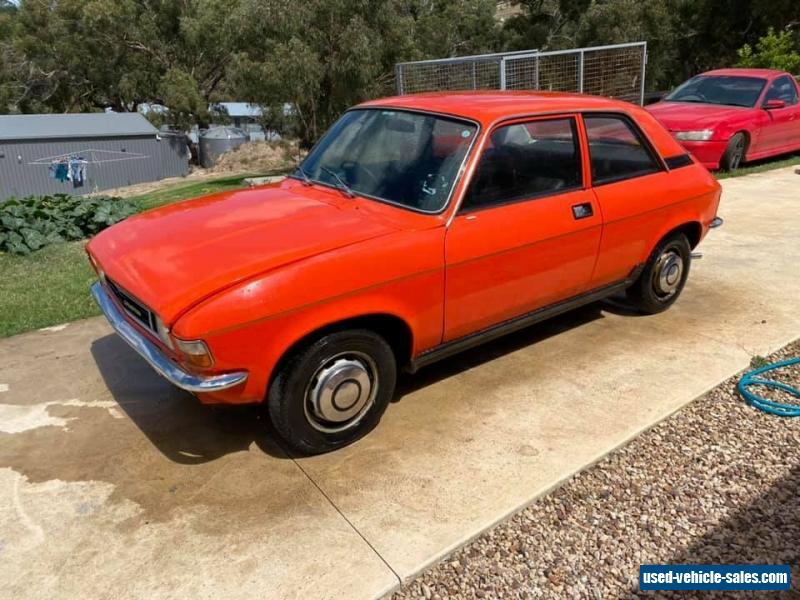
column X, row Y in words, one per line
column 525, row 161
column 617, row 151
column 783, row 88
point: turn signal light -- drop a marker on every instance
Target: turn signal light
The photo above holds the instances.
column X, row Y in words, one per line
column 195, row 352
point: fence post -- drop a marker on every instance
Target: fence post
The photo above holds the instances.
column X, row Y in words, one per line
column 642, row 74
column 580, row 72
column 474, row 78
column 536, row 73
column 503, row 73
column 398, row 78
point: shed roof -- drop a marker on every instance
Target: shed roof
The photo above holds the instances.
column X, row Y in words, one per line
column 78, row 125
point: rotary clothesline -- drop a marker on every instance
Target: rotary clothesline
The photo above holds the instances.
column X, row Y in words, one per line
column 73, row 167
column 69, row 169
column 113, row 156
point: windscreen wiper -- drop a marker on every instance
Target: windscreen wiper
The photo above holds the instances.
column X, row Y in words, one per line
column 342, row 185
column 304, row 175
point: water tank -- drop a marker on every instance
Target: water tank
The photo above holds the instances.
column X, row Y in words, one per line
column 218, row 141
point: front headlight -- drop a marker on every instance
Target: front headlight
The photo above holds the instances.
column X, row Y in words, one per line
column 694, row 136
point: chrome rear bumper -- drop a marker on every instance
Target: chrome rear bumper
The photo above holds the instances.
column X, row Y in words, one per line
column 157, row 359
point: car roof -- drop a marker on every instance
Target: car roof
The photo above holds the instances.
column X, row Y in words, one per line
column 489, row 106
column 763, row 73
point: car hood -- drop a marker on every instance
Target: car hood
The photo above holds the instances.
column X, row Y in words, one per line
column 688, row 116
column 173, row 257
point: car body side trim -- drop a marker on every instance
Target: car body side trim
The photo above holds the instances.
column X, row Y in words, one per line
column 540, row 314
column 157, row 359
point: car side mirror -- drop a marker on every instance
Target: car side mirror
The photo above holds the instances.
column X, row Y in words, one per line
column 773, row 104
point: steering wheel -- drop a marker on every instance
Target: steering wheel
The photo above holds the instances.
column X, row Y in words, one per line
column 696, row 96
column 350, row 165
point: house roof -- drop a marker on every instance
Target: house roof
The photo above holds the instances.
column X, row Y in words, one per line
column 78, row 125
column 240, row 109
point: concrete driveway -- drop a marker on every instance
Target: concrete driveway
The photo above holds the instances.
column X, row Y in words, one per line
column 114, row 484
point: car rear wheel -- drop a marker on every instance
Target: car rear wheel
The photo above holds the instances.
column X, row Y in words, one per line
column 332, row 391
column 734, row 153
column 663, row 277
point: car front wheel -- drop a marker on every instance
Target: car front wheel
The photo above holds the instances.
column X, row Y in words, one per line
column 333, row 391
column 663, row 277
column 734, row 152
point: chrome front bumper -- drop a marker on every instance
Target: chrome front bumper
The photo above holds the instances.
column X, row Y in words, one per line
column 157, row 359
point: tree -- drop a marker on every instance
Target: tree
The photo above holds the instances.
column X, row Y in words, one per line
column 773, row 51
column 7, row 83
column 322, row 56
column 77, row 55
column 544, row 24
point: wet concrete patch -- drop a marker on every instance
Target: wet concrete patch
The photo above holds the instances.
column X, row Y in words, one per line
column 143, row 491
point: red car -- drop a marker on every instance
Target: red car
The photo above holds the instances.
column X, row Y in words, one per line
column 417, row 227
column 730, row 116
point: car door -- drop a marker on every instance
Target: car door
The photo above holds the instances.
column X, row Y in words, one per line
column 633, row 190
column 781, row 130
column 527, row 232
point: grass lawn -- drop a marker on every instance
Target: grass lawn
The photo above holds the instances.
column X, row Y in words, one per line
column 51, row 286
column 45, row 288
column 189, row 190
column 760, row 166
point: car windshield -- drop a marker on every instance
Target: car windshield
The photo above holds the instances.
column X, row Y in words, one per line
column 719, row 89
column 404, row 158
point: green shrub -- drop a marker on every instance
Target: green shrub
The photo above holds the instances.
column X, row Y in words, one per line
column 773, row 51
column 31, row 223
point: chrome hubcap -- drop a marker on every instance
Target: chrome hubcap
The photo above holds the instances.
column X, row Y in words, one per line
column 667, row 274
column 341, row 392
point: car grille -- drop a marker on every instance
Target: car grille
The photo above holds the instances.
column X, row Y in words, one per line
column 133, row 307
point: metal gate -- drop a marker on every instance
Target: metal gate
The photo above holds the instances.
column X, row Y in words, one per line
column 616, row 71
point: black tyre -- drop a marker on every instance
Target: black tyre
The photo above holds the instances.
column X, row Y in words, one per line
column 663, row 277
column 333, row 391
column 734, row 153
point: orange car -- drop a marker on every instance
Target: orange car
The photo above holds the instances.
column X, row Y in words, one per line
column 417, row 227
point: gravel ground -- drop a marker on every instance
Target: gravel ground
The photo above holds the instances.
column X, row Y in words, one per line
column 718, row 482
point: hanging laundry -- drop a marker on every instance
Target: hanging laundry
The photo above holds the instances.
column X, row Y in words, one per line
column 77, row 171
column 59, row 171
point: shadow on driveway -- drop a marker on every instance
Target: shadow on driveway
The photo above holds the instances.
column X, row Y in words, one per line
column 188, row 432
column 176, row 423
column 767, row 531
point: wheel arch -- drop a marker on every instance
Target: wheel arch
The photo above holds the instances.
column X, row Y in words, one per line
column 394, row 329
column 693, row 231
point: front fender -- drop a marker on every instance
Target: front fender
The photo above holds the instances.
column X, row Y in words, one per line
column 253, row 324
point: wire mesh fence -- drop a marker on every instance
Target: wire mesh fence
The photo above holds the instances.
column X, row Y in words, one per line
column 617, row 71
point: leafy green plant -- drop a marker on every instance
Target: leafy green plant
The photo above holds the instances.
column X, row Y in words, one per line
column 773, row 51
column 34, row 222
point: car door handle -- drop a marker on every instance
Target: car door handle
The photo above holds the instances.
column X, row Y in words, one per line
column 583, row 210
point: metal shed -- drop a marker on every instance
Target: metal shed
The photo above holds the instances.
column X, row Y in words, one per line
column 99, row 151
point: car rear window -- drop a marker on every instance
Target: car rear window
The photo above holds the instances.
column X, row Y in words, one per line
column 617, row 151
